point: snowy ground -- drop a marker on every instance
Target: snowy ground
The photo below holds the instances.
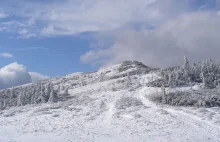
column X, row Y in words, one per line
column 96, row 113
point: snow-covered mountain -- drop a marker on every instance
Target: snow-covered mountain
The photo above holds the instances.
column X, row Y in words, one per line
column 112, row 104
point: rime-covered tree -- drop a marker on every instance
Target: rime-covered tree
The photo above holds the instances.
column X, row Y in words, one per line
column 12, row 93
column 1, row 105
column 186, row 64
column 42, row 97
column 171, row 81
column 26, row 96
column 66, row 92
column 20, row 101
column 164, row 98
column 128, row 79
column 53, row 97
column 62, row 87
column 5, row 103
column 208, row 73
column 48, row 89
column 186, row 70
column 101, row 78
column 83, row 83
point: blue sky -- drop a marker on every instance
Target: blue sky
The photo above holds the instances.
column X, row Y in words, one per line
column 55, row 38
column 52, row 56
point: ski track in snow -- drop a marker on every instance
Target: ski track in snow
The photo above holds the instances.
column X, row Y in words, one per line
column 92, row 116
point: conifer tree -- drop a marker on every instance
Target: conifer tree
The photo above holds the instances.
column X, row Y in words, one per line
column 66, row 92
column 53, row 98
column 12, row 93
column 128, row 79
column 20, row 101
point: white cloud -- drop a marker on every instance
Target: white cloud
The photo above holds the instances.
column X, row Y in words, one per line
column 73, row 17
column 218, row 13
column 178, row 27
column 13, row 75
column 16, row 74
column 23, row 31
column 6, row 55
column 193, row 34
column 36, row 76
column 3, row 15
column 17, row 28
column 32, row 48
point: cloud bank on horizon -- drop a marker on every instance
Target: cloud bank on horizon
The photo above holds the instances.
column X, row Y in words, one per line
column 15, row 74
column 37, row 76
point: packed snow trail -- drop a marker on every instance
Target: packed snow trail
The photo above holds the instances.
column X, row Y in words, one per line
column 211, row 131
column 150, row 122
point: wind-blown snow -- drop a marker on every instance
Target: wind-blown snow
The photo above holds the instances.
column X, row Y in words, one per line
column 103, row 106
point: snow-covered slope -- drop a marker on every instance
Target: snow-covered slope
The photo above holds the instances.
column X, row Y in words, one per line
column 109, row 105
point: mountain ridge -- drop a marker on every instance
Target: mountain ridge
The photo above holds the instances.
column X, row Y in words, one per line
column 112, row 104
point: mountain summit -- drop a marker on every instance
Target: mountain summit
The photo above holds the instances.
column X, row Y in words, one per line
column 111, row 104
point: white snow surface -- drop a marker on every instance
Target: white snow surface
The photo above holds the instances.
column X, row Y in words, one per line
column 97, row 111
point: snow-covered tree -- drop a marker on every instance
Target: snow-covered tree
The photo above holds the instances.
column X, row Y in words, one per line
column 208, row 74
column 53, row 97
column 42, row 97
column 5, row 103
column 83, row 83
column 33, row 99
column 164, row 98
column 101, row 78
column 20, row 101
column 186, row 70
column 1, row 105
column 12, row 93
column 62, row 87
column 66, row 92
column 171, row 80
column 186, row 64
column 128, row 79
column 48, row 89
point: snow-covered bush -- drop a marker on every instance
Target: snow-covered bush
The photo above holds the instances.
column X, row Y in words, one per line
column 126, row 102
column 158, row 83
column 189, row 98
column 206, row 72
column 156, row 97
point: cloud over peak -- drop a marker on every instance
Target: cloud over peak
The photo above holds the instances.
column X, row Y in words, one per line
column 193, row 34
